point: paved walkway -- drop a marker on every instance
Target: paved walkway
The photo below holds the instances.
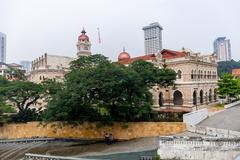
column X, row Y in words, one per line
column 15, row 151
column 228, row 119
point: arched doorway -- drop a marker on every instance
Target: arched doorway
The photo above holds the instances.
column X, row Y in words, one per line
column 160, row 100
column 195, row 98
column 201, row 96
column 210, row 95
column 177, row 98
column 215, row 95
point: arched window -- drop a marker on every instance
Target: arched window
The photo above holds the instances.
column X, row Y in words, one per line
column 195, row 98
column 195, row 74
column 160, row 100
column 210, row 75
column 210, row 95
column 177, row 98
column 40, row 77
column 179, row 74
column 215, row 95
column 201, row 76
column 201, row 96
column 198, row 74
column 192, row 75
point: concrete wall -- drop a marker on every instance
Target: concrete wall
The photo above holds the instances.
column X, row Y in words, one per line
column 213, row 131
column 195, row 117
column 232, row 104
column 198, row 148
column 198, row 155
column 90, row 131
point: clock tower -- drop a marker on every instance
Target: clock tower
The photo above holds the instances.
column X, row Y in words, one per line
column 83, row 45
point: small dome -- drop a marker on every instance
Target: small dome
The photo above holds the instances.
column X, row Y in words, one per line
column 83, row 36
column 123, row 56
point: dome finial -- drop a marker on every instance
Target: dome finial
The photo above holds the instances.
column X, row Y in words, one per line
column 83, row 31
column 123, row 48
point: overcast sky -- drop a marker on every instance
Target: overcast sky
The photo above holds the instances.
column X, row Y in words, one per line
column 34, row 27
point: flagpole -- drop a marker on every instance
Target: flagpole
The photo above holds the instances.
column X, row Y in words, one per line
column 99, row 40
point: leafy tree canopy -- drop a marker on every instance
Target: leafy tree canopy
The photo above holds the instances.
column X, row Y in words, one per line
column 228, row 86
column 97, row 89
column 14, row 73
column 21, row 94
column 88, row 61
column 226, row 67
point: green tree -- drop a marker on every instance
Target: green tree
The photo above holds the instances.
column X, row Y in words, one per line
column 51, row 88
column 227, row 86
column 97, row 89
column 88, row 61
column 21, row 94
column 152, row 75
column 225, row 67
column 16, row 74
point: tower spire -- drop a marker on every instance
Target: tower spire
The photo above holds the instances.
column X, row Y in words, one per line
column 83, row 44
column 83, row 31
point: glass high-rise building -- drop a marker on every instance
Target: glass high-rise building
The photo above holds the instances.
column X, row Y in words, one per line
column 2, row 47
column 153, row 38
column 222, row 47
column 27, row 65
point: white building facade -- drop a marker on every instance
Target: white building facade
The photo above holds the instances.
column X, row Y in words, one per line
column 153, row 38
column 222, row 47
column 2, row 47
column 49, row 67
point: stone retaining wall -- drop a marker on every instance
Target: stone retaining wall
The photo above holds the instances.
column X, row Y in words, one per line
column 90, row 131
column 198, row 148
column 216, row 132
column 195, row 117
column 231, row 104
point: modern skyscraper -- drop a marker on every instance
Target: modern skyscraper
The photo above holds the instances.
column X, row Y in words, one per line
column 153, row 38
column 27, row 65
column 2, row 47
column 222, row 48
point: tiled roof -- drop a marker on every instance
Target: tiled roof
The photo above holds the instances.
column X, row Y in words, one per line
column 166, row 54
column 236, row 71
column 145, row 57
column 14, row 65
column 170, row 54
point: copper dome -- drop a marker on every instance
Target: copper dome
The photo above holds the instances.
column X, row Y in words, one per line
column 123, row 56
column 83, row 36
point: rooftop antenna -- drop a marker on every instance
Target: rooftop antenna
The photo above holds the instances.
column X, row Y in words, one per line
column 99, row 37
column 99, row 40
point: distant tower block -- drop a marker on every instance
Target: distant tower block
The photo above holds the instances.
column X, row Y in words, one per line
column 83, row 45
column 153, row 38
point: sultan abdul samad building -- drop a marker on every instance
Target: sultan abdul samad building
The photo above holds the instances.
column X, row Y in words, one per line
column 196, row 74
column 196, row 79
